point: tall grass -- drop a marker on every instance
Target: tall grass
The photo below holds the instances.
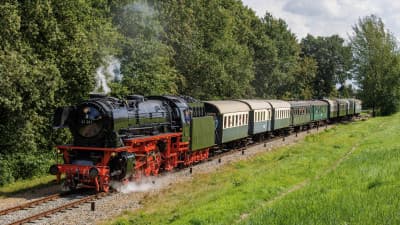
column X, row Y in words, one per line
column 315, row 181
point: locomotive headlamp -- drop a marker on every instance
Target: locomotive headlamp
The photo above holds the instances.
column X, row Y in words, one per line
column 54, row 170
column 93, row 172
column 113, row 154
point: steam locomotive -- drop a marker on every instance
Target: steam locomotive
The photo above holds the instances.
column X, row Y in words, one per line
column 125, row 139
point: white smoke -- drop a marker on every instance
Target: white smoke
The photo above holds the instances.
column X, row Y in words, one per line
column 142, row 7
column 143, row 186
column 110, row 71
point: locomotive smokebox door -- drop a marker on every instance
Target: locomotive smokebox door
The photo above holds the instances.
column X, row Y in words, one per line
column 61, row 116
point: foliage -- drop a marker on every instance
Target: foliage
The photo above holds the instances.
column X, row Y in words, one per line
column 334, row 62
column 210, row 54
column 46, row 60
column 376, row 65
column 146, row 60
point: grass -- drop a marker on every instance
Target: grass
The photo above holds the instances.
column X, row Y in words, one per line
column 344, row 175
column 364, row 189
column 26, row 185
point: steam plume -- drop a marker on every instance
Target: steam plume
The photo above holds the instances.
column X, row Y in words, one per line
column 110, row 71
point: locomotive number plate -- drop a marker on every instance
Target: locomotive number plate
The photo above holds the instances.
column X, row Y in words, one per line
column 86, row 122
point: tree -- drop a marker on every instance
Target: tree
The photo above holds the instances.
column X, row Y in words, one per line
column 279, row 81
column 376, row 65
column 48, row 55
column 211, row 47
column 304, row 76
column 333, row 60
column 146, row 59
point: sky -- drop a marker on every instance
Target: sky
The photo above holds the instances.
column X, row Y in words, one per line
column 328, row 17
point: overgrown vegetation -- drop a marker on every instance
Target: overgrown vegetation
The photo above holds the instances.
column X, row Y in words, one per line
column 348, row 174
column 214, row 49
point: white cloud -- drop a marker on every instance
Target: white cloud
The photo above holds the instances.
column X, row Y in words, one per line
column 328, row 17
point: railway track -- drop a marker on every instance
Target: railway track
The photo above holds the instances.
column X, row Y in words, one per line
column 52, row 210
column 30, row 204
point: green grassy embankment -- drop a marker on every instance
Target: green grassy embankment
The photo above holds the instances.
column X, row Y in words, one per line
column 345, row 175
column 26, row 185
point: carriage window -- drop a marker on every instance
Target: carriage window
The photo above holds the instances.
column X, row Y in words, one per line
column 240, row 120
column 236, row 120
column 230, row 121
column 225, row 121
column 243, row 119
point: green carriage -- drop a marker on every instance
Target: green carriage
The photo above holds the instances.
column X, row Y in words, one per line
column 319, row 110
column 301, row 112
column 231, row 119
column 280, row 114
column 343, row 107
column 260, row 117
column 333, row 109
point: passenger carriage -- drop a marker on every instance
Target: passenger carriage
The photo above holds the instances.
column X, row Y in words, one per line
column 358, row 107
column 280, row 114
column 300, row 112
column 231, row 119
column 333, row 109
column 343, row 107
column 260, row 117
column 320, row 110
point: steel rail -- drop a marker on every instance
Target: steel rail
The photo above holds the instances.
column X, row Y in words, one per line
column 30, row 204
column 58, row 209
